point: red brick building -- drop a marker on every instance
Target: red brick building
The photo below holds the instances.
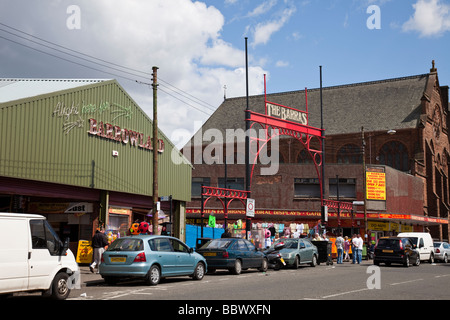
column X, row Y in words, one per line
column 396, row 126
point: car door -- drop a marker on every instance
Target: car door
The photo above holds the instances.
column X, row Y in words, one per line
column 306, row 251
column 44, row 258
column 165, row 255
column 254, row 255
column 244, row 253
column 184, row 260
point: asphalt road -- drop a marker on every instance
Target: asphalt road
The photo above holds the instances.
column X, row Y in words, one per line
column 324, row 282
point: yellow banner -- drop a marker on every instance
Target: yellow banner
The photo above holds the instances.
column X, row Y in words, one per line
column 84, row 252
column 375, row 185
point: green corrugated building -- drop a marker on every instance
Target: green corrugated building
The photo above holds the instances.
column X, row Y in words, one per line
column 80, row 152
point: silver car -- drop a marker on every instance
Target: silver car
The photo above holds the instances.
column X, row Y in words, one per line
column 441, row 251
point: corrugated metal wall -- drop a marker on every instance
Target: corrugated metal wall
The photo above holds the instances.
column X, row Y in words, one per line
column 47, row 138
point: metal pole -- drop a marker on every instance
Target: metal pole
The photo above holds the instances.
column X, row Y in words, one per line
column 155, row 152
column 323, row 152
column 201, row 211
column 364, row 179
column 247, row 139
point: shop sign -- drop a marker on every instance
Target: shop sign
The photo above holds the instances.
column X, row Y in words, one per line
column 285, row 113
column 378, row 226
column 79, row 207
column 376, row 185
column 116, row 133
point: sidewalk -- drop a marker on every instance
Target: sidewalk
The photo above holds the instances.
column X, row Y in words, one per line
column 89, row 278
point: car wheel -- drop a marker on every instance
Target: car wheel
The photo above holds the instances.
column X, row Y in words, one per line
column 199, row 271
column 237, row 268
column 314, row 261
column 296, row 262
column 445, row 258
column 153, row 276
column 60, row 286
column 264, row 265
column 417, row 261
column 406, row 263
column 431, row 258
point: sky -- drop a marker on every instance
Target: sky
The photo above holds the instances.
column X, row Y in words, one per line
column 199, row 47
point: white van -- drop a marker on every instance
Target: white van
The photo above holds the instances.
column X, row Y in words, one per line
column 33, row 258
column 424, row 244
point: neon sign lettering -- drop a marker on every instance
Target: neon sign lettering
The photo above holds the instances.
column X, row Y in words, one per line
column 115, row 133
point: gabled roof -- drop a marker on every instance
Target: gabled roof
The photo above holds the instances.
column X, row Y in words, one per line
column 376, row 105
column 16, row 89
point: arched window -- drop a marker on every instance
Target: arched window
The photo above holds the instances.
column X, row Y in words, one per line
column 304, row 157
column 395, row 155
column 349, row 153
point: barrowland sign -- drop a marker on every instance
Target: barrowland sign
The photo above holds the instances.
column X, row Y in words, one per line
column 212, row 146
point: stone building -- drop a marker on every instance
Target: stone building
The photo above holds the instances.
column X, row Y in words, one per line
column 397, row 126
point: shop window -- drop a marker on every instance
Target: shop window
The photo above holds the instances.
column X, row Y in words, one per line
column 306, row 188
column 347, row 187
column 232, row 183
column 395, row 155
column 349, row 153
column 197, row 185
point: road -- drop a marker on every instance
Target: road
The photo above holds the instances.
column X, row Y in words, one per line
column 324, row 282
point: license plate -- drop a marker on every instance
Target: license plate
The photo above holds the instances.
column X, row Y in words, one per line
column 282, row 260
column 209, row 254
column 388, row 251
column 118, row 259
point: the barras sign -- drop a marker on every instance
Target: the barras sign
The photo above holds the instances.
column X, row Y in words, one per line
column 286, row 113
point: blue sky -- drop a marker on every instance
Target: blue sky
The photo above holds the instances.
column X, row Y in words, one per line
column 199, row 46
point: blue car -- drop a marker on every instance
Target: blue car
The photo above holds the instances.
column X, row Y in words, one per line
column 233, row 254
column 150, row 257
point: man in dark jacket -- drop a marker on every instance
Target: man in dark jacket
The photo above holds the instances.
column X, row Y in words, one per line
column 99, row 242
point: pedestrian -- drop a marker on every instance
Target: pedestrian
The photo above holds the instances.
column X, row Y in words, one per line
column 226, row 234
column 353, row 248
column 340, row 248
column 358, row 243
column 99, row 242
column 346, row 249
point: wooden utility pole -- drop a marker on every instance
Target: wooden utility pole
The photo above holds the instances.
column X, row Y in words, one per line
column 155, row 152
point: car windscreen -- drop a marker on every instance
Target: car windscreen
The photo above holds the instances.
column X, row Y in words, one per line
column 217, row 244
column 127, row 244
column 392, row 243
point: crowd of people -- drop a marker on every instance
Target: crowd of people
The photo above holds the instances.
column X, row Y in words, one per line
column 343, row 246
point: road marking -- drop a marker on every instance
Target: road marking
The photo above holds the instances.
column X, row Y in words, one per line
column 397, row 283
column 343, row 293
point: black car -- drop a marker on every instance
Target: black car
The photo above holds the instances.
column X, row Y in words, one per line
column 396, row 250
column 233, row 254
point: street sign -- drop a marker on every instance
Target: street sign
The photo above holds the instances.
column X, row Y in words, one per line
column 165, row 198
column 250, row 208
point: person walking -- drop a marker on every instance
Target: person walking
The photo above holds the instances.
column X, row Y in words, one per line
column 352, row 243
column 99, row 242
column 346, row 249
column 340, row 248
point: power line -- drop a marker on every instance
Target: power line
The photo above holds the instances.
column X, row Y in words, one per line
column 105, row 64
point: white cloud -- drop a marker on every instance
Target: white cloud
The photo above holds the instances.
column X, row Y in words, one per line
column 431, row 18
column 281, row 63
column 263, row 8
column 264, row 31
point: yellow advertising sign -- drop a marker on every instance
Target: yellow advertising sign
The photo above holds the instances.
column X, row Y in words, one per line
column 84, row 252
column 375, row 185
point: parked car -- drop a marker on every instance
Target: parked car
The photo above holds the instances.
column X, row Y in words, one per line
column 234, row 254
column 423, row 242
column 441, row 251
column 298, row 251
column 33, row 258
column 396, row 250
column 150, row 258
